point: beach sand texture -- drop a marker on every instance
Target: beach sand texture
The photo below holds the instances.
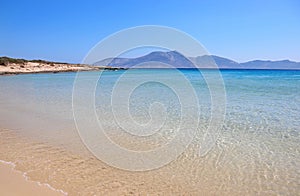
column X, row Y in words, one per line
column 75, row 174
column 14, row 183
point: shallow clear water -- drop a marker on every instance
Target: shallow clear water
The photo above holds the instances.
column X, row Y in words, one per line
column 256, row 151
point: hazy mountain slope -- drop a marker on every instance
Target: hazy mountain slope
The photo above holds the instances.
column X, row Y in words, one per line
column 284, row 64
column 158, row 59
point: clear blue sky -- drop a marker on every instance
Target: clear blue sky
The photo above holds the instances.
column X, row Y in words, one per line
column 65, row 30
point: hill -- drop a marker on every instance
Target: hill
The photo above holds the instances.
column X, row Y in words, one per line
column 158, row 59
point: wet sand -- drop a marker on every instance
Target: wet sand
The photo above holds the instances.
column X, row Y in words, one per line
column 14, row 183
column 76, row 174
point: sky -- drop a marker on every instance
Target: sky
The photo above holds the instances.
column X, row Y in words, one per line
column 65, row 30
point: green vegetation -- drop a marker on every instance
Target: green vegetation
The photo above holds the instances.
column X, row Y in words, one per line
column 5, row 61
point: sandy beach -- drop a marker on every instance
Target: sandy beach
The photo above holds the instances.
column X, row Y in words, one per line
column 14, row 183
column 74, row 174
column 21, row 66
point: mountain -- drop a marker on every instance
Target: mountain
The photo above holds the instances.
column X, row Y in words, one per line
column 207, row 61
column 259, row 64
column 155, row 59
column 159, row 59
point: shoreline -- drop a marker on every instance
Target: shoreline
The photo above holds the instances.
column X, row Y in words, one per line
column 12, row 178
column 10, row 66
column 41, row 72
column 10, row 73
column 59, row 71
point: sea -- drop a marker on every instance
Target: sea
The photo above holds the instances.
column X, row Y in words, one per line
column 155, row 131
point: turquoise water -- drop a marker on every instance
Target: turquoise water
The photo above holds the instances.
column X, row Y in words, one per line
column 258, row 143
column 252, row 96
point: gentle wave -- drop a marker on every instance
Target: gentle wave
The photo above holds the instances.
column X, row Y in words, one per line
column 24, row 174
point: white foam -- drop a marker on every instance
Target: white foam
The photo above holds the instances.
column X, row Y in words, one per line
column 24, row 174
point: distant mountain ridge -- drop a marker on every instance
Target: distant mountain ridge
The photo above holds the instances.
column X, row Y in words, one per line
column 159, row 59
